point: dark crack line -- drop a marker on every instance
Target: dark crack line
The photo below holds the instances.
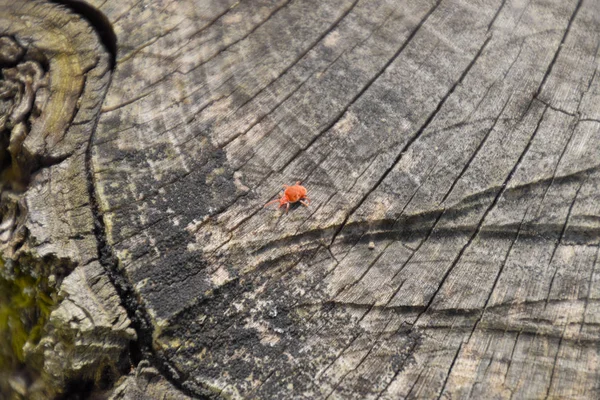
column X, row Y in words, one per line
column 313, row 213
column 375, row 342
column 414, row 385
column 450, row 370
column 512, row 64
column 366, row 87
column 400, row 369
column 365, row 272
column 261, row 23
column 346, row 346
column 559, row 241
column 468, row 120
column 496, row 15
column 547, row 104
column 595, row 71
column 133, row 51
column 497, row 279
column 82, row 309
column 437, row 220
column 315, row 332
column 126, row 12
column 136, row 311
column 340, row 354
column 214, row 20
column 297, row 59
column 420, row 131
column 363, row 172
column 590, row 120
column 589, row 289
column 487, row 368
column 126, row 102
column 141, row 230
column 517, row 23
column 418, row 188
column 555, row 362
column 592, row 78
column 512, row 356
column 485, row 214
column 476, row 152
column 323, row 71
column 249, row 396
column 558, row 50
column 564, row 150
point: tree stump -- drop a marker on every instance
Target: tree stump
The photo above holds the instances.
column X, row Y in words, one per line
column 449, row 149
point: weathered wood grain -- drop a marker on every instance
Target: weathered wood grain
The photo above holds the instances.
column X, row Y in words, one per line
column 57, row 72
column 449, row 150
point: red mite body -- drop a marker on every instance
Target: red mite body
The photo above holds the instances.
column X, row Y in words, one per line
column 292, row 194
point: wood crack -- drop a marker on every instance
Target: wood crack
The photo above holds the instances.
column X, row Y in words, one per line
column 564, row 150
column 450, row 371
column 560, row 239
column 487, row 211
column 287, row 69
column 589, row 289
column 340, row 114
column 362, row 360
column 411, row 350
column 560, row 341
column 476, row 152
column 559, row 48
column 491, row 24
column 419, row 132
column 215, row 19
column 497, row 278
column 136, row 311
column 216, row 54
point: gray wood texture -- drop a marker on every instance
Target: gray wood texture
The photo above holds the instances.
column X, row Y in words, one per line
column 450, row 150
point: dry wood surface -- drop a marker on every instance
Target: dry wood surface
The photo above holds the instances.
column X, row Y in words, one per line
column 449, row 149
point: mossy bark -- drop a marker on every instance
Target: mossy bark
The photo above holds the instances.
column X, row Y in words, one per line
column 28, row 294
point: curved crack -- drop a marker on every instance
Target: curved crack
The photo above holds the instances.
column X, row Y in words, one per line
column 137, row 313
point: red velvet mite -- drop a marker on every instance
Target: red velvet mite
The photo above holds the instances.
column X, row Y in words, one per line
column 291, row 194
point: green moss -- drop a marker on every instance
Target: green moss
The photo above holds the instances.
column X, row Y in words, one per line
column 26, row 299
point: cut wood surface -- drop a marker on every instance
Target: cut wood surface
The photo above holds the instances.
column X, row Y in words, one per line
column 449, row 149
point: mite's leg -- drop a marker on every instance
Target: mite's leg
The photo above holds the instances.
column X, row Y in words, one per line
column 271, row 202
